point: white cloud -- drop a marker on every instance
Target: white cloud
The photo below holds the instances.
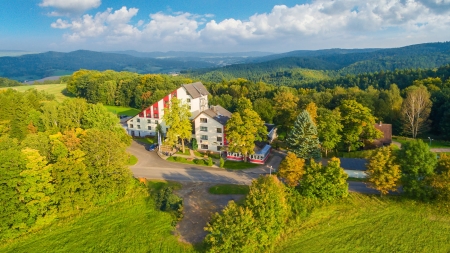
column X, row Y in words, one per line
column 67, row 7
column 321, row 23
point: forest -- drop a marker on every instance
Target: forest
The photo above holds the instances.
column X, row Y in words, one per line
column 57, row 160
column 382, row 93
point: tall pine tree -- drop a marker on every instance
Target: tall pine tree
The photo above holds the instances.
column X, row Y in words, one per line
column 303, row 138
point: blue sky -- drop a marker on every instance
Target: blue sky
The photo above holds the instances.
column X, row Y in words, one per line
column 219, row 26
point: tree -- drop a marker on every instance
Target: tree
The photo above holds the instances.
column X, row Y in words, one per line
column 176, row 117
column 441, row 180
column 417, row 164
column 415, row 110
column 243, row 130
column 234, row 230
column 285, row 105
column 303, row 138
column 244, row 103
column 267, row 200
column 311, row 108
column 329, row 128
column 194, row 144
column 357, row 121
column 292, row 169
column 382, row 171
column 324, row 182
column 263, row 106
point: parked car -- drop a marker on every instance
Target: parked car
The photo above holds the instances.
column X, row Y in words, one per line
column 151, row 147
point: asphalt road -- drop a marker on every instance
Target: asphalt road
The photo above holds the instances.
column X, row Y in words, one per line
column 151, row 166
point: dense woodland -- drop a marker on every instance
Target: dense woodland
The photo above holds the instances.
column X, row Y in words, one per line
column 57, row 160
column 382, row 93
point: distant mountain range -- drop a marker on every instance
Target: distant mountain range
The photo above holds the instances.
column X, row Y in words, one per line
column 215, row 66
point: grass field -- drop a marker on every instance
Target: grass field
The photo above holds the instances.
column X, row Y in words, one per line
column 132, row 160
column 59, row 90
column 229, row 189
column 119, row 110
column 370, row 224
column 131, row 225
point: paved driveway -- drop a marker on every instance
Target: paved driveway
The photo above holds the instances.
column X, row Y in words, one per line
column 151, row 166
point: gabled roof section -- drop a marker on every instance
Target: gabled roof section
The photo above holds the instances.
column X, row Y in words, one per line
column 196, row 90
column 218, row 113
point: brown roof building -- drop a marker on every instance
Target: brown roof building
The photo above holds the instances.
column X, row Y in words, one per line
column 386, row 129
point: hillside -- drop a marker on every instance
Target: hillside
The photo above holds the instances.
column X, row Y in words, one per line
column 333, row 62
column 36, row 66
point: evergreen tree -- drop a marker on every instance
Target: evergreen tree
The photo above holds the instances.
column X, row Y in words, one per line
column 303, row 139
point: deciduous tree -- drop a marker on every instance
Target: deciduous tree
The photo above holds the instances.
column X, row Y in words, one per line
column 176, row 117
column 382, row 171
column 329, row 128
column 441, row 180
column 415, row 110
column 292, row 169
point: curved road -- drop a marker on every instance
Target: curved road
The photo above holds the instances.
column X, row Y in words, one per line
column 151, row 166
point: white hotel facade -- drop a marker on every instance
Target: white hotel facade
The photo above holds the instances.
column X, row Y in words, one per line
column 208, row 123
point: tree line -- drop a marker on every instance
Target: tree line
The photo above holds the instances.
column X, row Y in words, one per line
column 56, row 160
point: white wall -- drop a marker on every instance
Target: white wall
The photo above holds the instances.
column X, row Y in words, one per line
column 211, row 132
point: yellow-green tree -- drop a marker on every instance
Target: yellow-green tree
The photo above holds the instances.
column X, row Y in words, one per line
column 243, row 130
column 383, row 173
column 311, row 108
column 292, row 169
column 177, row 119
column 285, row 105
column 441, row 180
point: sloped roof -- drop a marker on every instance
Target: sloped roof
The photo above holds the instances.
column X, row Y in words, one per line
column 196, row 90
column 218, row 113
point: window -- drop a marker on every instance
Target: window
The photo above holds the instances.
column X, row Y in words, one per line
column 131, row 120
column 138, row 120
column 131, row 125
column 204, row 137
column 189, row 107
column 156, row 122
column 219, row 130
column 139, row 126
column 167, row 129
column 203, row 129
column 188, row 100
column 149, row 115
column 219, row 148
column 156, row 115
column 219, row 139
column 149, row 128
column 203, row 120
column 204, row 146
column 149, row 121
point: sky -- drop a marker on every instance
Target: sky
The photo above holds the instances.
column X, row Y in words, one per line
column 220, row 26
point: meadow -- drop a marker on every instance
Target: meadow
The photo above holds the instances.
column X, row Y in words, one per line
column 129, row 225
column 365, row 223
column 59, row 90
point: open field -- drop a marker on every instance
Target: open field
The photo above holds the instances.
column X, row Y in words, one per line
column 131, row 225
column 371, row 224
column 59, row 90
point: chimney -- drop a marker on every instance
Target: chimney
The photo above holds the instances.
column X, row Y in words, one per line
column 380, row 123
column 214, row 109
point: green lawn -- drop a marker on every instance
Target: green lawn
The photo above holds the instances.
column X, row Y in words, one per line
column 232, row 165
column 179, row 159
column 132, row 160
column 119, row 110
column 434, row 143
column 59, row 90
column 229, row 189
column 186, row 152
column 131, row 225
column 371, row 224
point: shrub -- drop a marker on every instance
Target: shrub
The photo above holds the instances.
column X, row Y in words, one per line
column 222, row 162
column 199, row 161
column 167, row 201
column 210, row 161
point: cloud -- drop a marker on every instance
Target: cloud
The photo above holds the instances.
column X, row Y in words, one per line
column 321, row 23
column 69, row 7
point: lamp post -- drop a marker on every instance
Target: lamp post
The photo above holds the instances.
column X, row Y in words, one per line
column 430, row 140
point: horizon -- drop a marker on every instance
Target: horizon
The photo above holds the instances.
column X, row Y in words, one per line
column 274, row 26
